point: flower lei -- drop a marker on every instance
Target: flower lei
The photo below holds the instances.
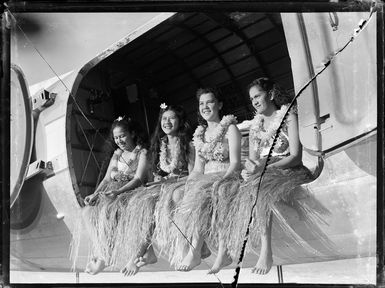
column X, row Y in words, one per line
column 121, row 175
column 259, row 134
column 213, row 150
column 169, row 168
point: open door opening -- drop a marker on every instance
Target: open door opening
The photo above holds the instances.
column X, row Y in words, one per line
column 168, row 64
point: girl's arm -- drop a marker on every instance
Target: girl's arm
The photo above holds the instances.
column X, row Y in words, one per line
column 111, row 166
column 140, row 174
column 252, row 153
column 107, row 177
column 191, row 158
column 295, row 157
column 234, row 138
column 199, row 166
column 253, row 161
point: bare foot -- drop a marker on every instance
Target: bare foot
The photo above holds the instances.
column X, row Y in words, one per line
column 91, row 199
column 130, row 269
column 95, row 266
column 148, row 258
column 189, row 262
column 264, row 264
column 220, row 262
column 205, row 251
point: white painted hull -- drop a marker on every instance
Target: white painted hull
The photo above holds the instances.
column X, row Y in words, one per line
column 345, row 190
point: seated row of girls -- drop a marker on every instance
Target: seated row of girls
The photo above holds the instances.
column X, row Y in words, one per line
column 119, row 215
column 210, row 204
column 216, row 206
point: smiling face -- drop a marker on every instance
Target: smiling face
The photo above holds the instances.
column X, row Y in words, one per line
column 170, row 123
column 209, row 107
column 123, row 138
column 260, row 99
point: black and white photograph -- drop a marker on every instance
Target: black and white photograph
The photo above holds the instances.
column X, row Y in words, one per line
column 207, row 143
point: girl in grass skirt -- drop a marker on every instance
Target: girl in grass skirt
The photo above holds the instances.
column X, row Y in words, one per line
column 284, row 173
column 104, row 208
column 150, row 211
column 210, row 187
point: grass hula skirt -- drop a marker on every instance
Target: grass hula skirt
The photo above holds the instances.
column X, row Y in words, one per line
column 130, row 221
column 205, row 203
column 165, row 215
column 277, row 186
column 101, row 220
column 136, row 223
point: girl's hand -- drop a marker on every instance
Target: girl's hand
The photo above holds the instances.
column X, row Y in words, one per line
column 245, row 174
column 251, row 166
column 91, row 199
column 171, row 176
column 157, row 178
column 194, row 175
column 111, row 194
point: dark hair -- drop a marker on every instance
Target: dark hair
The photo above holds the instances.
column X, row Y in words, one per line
column 279, row 96
column 131, row 126
column 128, row 125
column 184, row 134
column 215, row 92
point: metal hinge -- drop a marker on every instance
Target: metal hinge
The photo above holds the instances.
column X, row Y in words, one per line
column 41, row 168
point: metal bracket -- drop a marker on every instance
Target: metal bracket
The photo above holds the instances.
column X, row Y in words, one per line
column 39, row 167
column 324, row 119
column 40, row 98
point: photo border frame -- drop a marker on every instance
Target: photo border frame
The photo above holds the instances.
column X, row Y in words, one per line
column 180, row 6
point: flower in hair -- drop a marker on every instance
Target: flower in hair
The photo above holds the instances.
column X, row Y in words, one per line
column 163, row 106
column 120, row 118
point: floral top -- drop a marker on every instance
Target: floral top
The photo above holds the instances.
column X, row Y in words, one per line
column 261, row 136
column 214, row 151
column 126, row 168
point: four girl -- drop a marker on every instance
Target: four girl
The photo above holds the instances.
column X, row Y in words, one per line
column 284, row 172
column 212, row 183
column 126, row 171
column 209, row 208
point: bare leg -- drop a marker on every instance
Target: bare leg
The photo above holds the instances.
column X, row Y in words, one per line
column 193, row 257
column 222, row 260
column 265, row 260
column 147, row 254
column 177, row 196
column 143, row 258
column 148, row 258
column 96, row 264
column 205, row 251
